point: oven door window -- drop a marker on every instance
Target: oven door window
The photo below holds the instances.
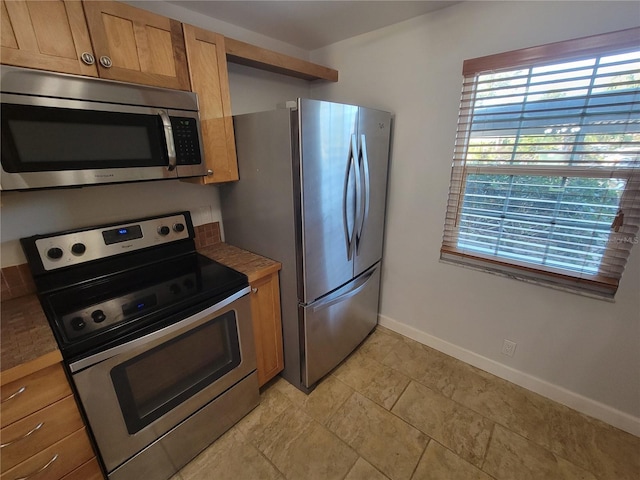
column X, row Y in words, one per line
column 36, row 139
column 153, row 383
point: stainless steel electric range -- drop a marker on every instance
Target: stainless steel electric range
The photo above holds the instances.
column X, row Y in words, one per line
column 157, row 339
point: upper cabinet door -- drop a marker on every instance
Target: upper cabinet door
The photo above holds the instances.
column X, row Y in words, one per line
column 209, row 79
column 134, row 45
column 49, row 35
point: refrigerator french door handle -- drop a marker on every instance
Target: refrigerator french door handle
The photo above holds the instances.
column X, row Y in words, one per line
column 363, row 159
column 349, row 236
column 356, row 169
column 361, row 283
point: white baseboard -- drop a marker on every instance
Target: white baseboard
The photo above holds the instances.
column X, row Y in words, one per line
column 585, row 405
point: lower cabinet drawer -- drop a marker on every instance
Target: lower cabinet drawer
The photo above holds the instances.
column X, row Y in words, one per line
column 55, row 461
column 33, row 392
column 88, row 471
column 32, row 434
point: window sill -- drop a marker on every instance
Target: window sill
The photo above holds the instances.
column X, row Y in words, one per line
column 597, row 289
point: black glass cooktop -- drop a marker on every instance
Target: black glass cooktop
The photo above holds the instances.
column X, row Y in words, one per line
column 106, row 311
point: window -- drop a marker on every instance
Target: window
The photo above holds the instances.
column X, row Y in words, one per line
column 545, row 184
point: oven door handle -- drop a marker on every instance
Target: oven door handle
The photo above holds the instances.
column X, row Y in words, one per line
column 133, row 344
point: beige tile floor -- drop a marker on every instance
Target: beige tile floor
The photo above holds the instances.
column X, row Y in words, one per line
column 396, row 409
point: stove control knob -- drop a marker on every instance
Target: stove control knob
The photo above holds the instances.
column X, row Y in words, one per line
column 164, row 230
column 54, row 253
column 178, row 227
column 77, row 323
column 78, row 248
column 175, row 288
column 98, row 316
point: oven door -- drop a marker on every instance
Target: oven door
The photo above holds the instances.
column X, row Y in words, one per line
column 134, row 393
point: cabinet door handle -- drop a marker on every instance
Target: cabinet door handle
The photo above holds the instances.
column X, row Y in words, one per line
column 254, row 290
column 33, row 430
column 13, row 395
column 41, row 469
column 88, row 58
column 105, row 61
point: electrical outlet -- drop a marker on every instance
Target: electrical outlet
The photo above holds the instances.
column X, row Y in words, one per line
column 508, row 348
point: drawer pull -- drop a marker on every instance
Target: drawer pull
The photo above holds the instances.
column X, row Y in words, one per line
column 33, row 430
column 41, row 469
column 13, row 395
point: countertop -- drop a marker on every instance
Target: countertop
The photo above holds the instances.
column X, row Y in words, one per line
column 252, row 265
column 25, row 335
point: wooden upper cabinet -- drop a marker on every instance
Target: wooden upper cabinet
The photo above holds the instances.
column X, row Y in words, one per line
column 209, row 79
column 49, row 35
column 137, row 46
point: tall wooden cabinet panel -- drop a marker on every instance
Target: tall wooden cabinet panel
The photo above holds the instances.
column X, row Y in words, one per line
column 48, row 35
column 209, row 79
column 137, row 46
column 267, row 326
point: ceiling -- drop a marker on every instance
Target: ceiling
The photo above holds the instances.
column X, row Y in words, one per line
column 312, row 24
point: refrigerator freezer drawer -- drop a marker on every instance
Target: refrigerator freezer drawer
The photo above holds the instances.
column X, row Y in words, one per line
column 336, row 324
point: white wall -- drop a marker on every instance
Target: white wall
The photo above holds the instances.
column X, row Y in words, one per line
column 37, row 212
column 255, row 90
column 581, row 351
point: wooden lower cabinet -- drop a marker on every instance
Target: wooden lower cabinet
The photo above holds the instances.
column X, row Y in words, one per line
column 46, row 426
column 57, row 460
column 87, row 471
column 43, row 434
column 24, row 396
column 267, row 326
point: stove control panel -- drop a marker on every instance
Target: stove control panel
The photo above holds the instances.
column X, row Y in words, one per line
column 105, row 314
column 77, row 247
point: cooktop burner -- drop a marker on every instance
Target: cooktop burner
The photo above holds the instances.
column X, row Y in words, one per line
column 129, row 278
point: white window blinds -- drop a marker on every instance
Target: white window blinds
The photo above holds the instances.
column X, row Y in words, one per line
column 545, row 183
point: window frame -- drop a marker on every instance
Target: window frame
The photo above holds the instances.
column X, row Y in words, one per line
column 597, row 285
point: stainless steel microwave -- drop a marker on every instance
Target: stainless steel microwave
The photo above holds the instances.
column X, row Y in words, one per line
column 64, row 130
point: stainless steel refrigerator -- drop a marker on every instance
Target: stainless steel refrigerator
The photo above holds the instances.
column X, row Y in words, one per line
column 312, row 192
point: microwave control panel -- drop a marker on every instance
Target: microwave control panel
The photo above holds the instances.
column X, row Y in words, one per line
column 186, row 141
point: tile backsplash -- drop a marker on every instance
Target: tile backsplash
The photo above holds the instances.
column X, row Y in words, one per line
column 16, row 282
column 207, row 234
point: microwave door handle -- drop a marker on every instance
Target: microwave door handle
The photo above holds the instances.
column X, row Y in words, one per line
column 168, row 137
